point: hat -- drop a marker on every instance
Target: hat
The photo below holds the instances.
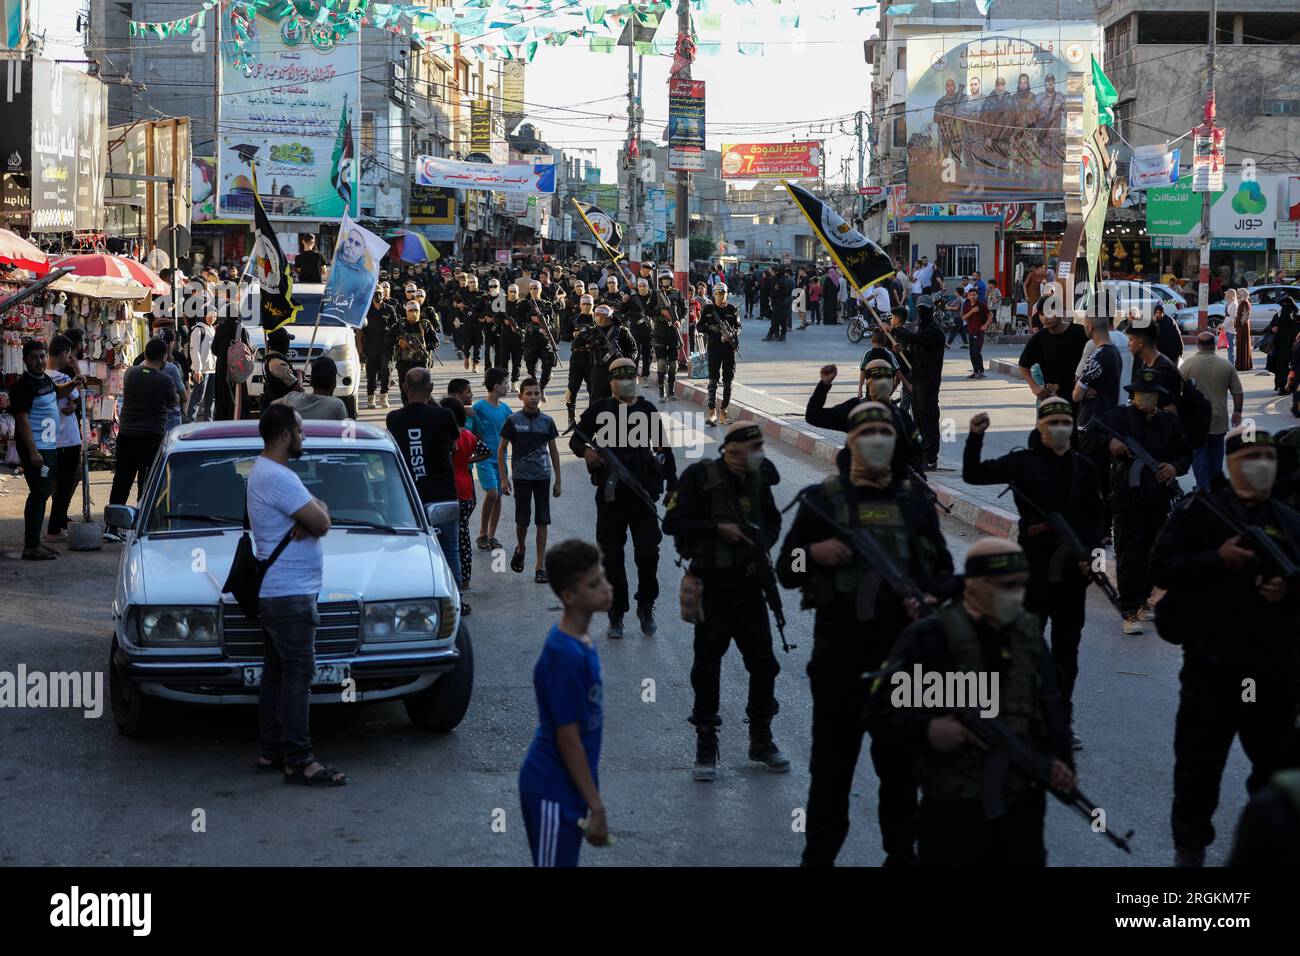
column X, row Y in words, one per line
column 1244, row 438
column 924, row 302
column 1146, row 380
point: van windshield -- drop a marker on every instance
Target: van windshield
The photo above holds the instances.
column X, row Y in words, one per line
column 205, row 489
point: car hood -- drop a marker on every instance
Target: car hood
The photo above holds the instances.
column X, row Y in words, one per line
column 364, row 566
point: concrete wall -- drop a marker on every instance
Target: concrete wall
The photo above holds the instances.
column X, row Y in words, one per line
column 927, row 236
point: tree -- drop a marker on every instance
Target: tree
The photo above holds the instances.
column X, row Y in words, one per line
column 702, row 247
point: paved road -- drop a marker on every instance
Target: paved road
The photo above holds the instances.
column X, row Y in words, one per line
column 76, row 792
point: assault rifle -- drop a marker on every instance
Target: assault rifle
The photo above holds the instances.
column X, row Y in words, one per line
column 1008, row 749
column 1268, row 552
column 1071, row 546
column 926, row 490
column 545, row 322
column 730, row 334
column 766, row 573
column 868, row 550
column 1141, row 459
column 618, row 473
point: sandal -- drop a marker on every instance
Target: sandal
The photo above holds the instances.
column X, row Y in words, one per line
column 324, row 777
column 494, row 544
column 517, row 562
column 484, row 543
column 269, row 766
column 541, row 577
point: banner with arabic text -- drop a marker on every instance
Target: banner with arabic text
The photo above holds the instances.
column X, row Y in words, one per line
column 533, row 179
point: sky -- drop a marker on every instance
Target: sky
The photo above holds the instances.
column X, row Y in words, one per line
column 776, row 97
column 807, row 84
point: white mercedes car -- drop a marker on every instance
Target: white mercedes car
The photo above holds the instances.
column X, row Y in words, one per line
column 390, row 624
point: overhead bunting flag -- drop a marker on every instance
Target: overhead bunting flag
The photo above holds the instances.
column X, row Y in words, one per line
column 863, row 262
column 270, row 267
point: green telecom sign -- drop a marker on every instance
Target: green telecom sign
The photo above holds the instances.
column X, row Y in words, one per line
column 1176, row 210
column 1242, row 216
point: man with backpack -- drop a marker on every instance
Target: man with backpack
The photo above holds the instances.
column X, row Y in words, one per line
column 1213, row 377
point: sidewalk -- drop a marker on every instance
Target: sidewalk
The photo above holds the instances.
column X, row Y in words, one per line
column 774, row 379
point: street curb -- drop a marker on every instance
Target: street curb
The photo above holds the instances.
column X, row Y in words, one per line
column 1003, row 367
column 985, row 518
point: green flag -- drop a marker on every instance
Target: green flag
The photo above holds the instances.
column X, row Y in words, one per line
column 1106, row 95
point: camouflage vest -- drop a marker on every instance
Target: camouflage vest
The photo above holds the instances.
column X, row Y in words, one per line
column 709, row 552
column 887, row 523
column 959, row 774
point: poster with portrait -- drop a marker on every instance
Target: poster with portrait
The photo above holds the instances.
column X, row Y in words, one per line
column 986, row 112
column 354, row 273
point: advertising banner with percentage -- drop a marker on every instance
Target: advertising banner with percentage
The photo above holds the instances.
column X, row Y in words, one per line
column 802, row 160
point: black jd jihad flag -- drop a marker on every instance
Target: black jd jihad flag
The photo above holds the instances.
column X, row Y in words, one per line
column 862, row 261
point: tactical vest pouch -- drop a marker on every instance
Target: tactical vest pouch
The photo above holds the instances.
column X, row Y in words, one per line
column 691, row 597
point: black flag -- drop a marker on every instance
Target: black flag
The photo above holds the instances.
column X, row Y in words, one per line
column 270, row 268
column 603, row 226
column 862, row 261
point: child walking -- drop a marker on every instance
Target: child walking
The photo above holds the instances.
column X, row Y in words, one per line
column 530, row 436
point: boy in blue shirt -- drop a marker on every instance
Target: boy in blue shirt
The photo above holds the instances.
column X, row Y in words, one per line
column 558, row 783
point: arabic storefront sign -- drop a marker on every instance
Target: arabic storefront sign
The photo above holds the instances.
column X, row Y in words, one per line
column 16, row 195
column 1015, row 216
column 512, row 97
column 69, row 149
column 686, row 125
column 434, row 207
column 1246, row 210
column 530, row 179
column 295, row 113
column 986, row 113
column 802, row 160
column 1288, row 234
column 16, row 116
column 480, row 126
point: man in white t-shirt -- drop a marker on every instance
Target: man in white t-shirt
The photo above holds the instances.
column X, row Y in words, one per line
column 67, row 466
column 284, row 517
column 877, row 297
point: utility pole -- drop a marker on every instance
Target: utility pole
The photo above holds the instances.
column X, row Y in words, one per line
column 682, row 220
column 633, row 162
column 862, row 200
column 1203, row 286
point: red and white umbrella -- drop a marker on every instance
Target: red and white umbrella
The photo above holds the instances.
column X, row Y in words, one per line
column 115, row 267
column 17, row 250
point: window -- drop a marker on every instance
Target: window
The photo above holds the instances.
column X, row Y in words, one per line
column 1187, row 27
column 956, row 261
column 368, row 133
column 900, row 126
column 1280, row 107
column 1124, row 119
column 1117, row 42
column 902, row 57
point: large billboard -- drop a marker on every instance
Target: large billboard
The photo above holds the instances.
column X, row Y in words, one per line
column 294, row 110
column 69, row 148
column 986, row 112
column 800, row 160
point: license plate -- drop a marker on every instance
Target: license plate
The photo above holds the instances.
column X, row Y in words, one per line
column 326, row 675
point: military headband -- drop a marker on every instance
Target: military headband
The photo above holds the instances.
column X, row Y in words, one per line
column 746, row 433
column 988, row 565
column 1055, row 406
column 864, row 416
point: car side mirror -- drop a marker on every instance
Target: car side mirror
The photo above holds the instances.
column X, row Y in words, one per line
column 442, row 512
column 119, row 516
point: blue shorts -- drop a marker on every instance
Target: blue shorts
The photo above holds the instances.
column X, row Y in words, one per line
column 487, row 475
column 553, row 832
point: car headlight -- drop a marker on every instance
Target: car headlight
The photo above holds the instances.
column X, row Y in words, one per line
column 402, row 620
column 339, row 353
column 191, row 626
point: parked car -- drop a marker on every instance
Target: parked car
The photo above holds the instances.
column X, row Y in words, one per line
column 389, row 609
column 332, row 338
column 1265, row 303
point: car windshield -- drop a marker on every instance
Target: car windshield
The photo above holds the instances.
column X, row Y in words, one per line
column 205, row 489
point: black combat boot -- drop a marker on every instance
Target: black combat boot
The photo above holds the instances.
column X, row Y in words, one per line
column 645, row 613
column 706, row 749
column 763, row 749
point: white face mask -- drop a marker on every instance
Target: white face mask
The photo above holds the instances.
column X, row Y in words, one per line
column 1259, row 473
column 754, row 460
column 626, row 387
column 1007, row 606
column 876, row 450
column 1057, row 437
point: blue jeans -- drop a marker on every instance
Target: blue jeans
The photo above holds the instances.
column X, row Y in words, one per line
column 289, row 626
column 201, row 398
column 1207, row 461
column 449, row 538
